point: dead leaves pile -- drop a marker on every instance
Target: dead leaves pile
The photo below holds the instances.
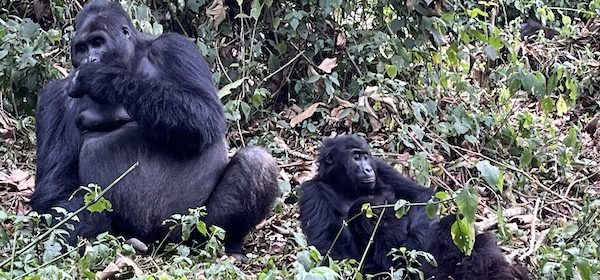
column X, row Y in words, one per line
column 16, row 185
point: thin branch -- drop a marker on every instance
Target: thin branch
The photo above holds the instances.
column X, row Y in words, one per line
column 73, row 214
column 515, row 169
column 284, row 66
column 50, row 261
column 362, row 259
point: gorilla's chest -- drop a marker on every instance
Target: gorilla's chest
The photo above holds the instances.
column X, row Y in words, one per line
column 162, row 179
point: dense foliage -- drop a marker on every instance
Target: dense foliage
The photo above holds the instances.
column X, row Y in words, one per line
column 448, row 91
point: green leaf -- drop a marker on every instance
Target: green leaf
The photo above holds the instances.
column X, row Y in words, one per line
column 401, row 207
column 256, row 9
column 491, row 52
column 430, row 209
column 201, row 227
column 367, row 209
column 226, row 90
column 463, row 235
column 489, row 172
column 552, row 82
column 276, row 22
column 101, row 205
column 526, row 158
column 500, row 219
column 500, row 183
column 547, row 104
column 245, row 109
column 466, row 201
column 54, row 35
column 572, row 87
column 391, row 71
column 584, row 268
column 194, row 5
column 294, row 23
column 561, row 106
column 477, row 12
column 442, row 195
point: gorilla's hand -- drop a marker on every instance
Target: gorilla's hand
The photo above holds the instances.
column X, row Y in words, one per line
column 72, row 88
column 100, row 81
column 362, row 225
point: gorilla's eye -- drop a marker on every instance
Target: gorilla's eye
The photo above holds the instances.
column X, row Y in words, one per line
column 79, row 48
column 97, row 42
column 356, row 156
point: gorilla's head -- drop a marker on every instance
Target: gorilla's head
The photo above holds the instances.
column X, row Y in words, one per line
column 104, row 34
column 347, row 161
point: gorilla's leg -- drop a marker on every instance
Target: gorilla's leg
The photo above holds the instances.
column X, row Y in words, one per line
column 244, row 195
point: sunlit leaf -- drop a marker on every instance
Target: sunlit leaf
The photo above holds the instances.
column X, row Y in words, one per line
column 463, row 235
column 366, row 207
column 401, row 207
column 466, row 201
column 430, row 209
column 561, row 106
column 489, row 172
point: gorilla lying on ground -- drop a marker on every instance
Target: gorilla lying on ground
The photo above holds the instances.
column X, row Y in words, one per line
column 136, row 97
column 348, row 177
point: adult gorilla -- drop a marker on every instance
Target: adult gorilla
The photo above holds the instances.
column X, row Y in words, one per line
column 135, row 97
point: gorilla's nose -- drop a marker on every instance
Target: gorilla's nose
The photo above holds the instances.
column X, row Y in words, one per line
column 368, row 170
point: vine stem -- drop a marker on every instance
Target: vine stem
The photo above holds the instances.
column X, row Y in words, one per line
column 73, row 214
column 371, row 239
column 337, row 236
column 50, row 261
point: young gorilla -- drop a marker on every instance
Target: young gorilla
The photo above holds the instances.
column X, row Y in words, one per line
column 348, row 177
column 135, row 97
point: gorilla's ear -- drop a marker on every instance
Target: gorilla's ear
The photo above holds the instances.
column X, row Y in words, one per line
column 126, row 31
column 327, row 152
column 329, row 158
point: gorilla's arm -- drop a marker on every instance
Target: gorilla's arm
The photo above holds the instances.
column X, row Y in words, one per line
column 58, row 142
column 321, row 222
column 403, row 187
column 171, row 94
column 416, row 221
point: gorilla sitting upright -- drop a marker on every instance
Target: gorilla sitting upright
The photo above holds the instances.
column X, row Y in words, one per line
column 136, row 97
column 349, row 177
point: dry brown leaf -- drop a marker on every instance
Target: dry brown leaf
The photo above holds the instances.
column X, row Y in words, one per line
column 364, row 102
column 340, row 40
column 385, row 99
column 306, row 175
column 328, row 64
column 344, row 103
column 216, row 12
column 26, row 184
column 115, row 267
column 7, row 128
column 306, row 114
column 111, row 270
column 18, row 175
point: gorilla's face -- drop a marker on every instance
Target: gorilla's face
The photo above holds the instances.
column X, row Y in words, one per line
column 102, row 39
column 359, row 169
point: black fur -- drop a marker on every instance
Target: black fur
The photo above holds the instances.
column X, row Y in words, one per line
column 333, row 195
column 152, row 100
column 485, row 262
